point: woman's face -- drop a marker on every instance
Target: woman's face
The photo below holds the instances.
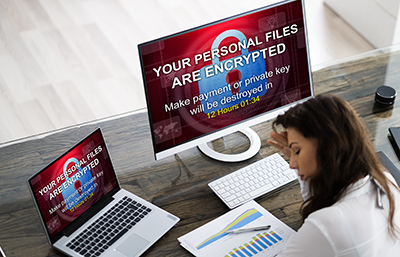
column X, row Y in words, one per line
column 303, row 153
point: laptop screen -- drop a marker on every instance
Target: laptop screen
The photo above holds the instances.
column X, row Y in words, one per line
column 73, row 183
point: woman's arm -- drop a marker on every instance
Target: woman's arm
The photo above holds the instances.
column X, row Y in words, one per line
column 309, row 241
column 280, row 142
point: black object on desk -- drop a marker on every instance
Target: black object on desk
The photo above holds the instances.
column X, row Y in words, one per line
column 385, row 95
column 395, row 134
column 390, row 166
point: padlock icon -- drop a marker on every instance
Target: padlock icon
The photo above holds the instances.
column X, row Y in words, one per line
column 212, row 86
column 78, row 186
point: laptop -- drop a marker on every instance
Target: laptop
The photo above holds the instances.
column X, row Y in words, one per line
column 84, row 210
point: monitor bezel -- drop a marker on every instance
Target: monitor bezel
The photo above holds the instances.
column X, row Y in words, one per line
column 89, row 212
column 218, row 133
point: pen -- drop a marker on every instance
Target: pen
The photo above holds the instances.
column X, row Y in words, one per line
column 242, row 230
column 2, row 253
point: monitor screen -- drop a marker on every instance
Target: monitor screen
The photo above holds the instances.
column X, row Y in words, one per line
column 71, row 184
column 206, row 82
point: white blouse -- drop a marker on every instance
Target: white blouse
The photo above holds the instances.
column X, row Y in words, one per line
column 354, row 226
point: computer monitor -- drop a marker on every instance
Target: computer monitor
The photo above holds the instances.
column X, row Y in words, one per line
column 223, row 77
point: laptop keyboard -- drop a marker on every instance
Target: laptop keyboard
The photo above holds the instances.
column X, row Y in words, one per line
column 107, row 229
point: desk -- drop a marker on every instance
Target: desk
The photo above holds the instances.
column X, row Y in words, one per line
column 178, row 183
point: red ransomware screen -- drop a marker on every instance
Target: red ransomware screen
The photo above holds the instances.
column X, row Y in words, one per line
column 202, row 80
column 73, row 183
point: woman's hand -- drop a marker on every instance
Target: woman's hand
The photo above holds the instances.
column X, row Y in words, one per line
column 280, row 142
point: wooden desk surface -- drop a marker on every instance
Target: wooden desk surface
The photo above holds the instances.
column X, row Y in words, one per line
column 178, row 184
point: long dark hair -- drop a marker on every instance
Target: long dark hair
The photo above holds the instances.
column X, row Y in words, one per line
column 344, row 155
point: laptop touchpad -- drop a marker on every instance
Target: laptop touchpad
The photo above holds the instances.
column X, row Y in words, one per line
column 132, row 245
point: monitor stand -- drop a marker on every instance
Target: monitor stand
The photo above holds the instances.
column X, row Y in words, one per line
column 255, row 145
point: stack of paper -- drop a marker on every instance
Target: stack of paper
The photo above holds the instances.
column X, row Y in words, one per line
column 212, row 238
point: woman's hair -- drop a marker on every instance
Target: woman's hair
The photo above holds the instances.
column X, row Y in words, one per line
column 344, row 155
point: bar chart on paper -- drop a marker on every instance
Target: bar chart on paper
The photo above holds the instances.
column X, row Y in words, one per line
column 255, row 244
column 212, row 239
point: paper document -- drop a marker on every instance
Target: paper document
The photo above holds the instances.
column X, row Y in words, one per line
column 212, row 239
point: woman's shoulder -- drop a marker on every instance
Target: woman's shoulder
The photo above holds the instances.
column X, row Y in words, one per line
column 327, row 217
column 330, row 224
column 353, row 205
column 356, row 208
column 337, row 223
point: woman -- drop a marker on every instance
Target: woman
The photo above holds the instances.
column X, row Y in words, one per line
column 350, row 203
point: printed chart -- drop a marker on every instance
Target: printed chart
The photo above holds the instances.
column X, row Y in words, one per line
column 255, row 244
column 212, row 239
column 244, row 219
